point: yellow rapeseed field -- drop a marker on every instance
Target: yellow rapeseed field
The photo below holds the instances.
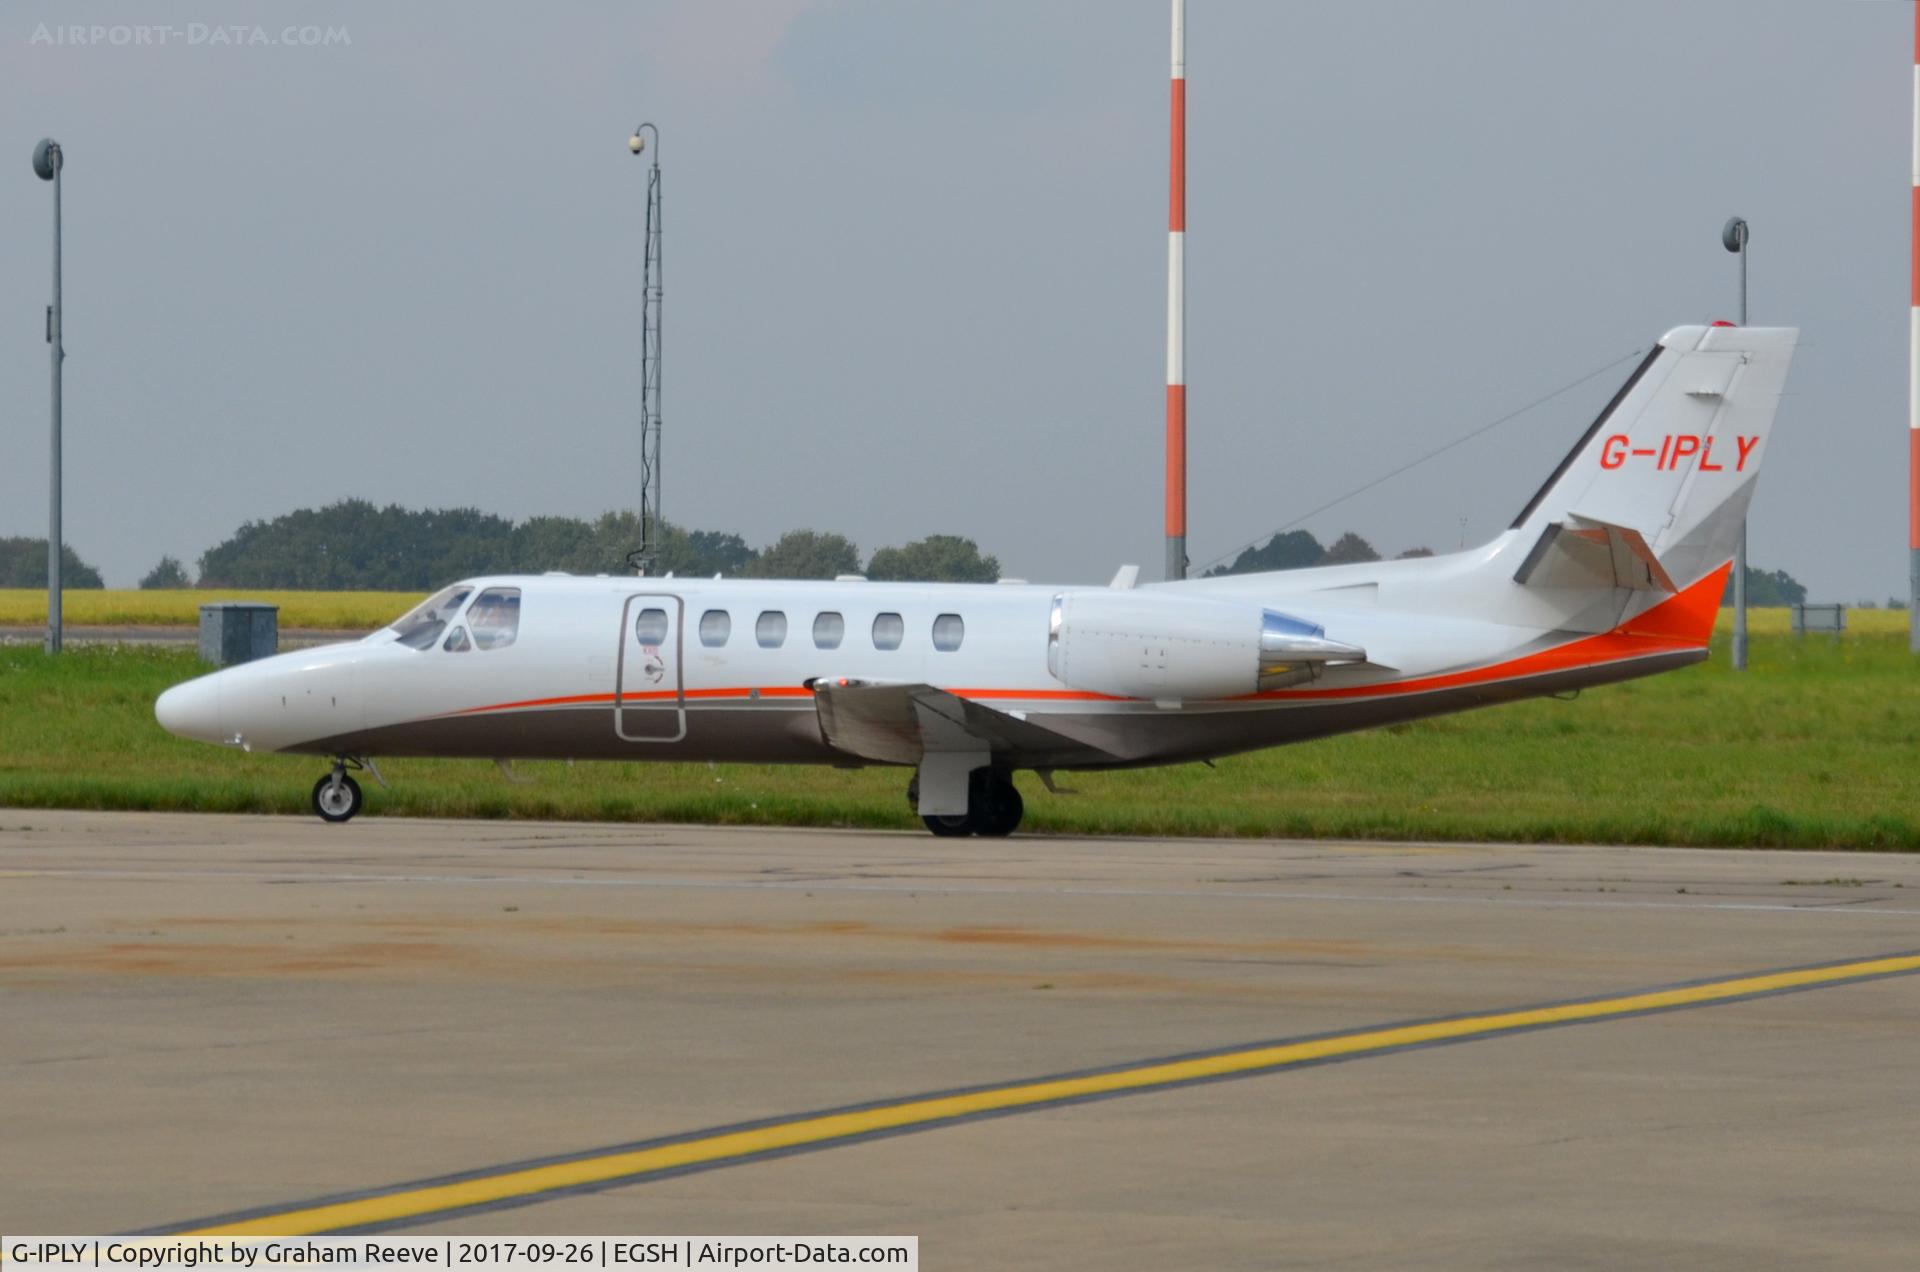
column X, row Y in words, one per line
column 1778, row 621
column 359, row 611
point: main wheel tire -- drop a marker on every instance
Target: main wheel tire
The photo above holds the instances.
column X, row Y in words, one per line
column 337, row 803
column 949, row 827
column 999, row 813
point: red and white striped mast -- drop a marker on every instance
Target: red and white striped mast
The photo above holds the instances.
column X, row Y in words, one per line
column 1177, row 310
column 1913, row 372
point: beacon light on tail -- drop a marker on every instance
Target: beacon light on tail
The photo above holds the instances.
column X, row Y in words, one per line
column 1612, row 570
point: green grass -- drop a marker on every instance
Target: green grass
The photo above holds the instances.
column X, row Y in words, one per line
column 1814, row 747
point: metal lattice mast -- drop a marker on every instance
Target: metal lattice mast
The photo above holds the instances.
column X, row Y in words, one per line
column 644, row 558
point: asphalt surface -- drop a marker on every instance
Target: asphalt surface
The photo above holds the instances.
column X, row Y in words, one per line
column 208, row 1015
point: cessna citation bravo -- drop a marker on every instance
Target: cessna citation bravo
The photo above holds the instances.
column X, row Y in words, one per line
column 1613, row 570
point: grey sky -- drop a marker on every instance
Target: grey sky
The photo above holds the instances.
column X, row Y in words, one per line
column 915, row 263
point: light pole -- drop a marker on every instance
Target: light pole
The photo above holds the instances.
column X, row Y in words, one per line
column 1913, row 374
column 1733, row 237
column 647, row 555
column 47, row 162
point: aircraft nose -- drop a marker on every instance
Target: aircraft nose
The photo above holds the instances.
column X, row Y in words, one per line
column 191, row 710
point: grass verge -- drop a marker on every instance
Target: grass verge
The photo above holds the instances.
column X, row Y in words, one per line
column 1813, row 748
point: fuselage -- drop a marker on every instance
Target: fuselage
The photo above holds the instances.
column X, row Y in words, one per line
column 726, row 669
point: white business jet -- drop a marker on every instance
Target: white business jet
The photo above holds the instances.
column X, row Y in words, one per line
column 1613, row 570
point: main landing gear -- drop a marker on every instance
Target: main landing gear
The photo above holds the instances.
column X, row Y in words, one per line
column 994, row 807
column 337, row 797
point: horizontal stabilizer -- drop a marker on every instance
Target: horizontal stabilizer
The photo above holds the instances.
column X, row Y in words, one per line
column 1585, row 552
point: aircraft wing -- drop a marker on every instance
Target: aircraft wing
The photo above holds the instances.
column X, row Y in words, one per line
column 902, row 723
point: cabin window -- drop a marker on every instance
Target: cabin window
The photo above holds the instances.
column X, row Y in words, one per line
column 651, row 627
column 494, row 617
column 457, row 642
column 771, row 629
column 829, row 629
column 715, row 627
column 948, row 631
column 888, row 630
column 420, row 627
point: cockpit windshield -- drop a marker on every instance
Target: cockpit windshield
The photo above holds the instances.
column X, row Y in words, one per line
column 421, row 626
column 495, row 617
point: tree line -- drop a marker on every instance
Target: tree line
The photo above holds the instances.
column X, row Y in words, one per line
column 1298, row 550
column 355, row 546
column 358, row 546
column 23, row 563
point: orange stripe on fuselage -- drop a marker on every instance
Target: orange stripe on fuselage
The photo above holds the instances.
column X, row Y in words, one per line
column 1038, row 695
column 1681, row 622
column 652, row 695
column 570, row 700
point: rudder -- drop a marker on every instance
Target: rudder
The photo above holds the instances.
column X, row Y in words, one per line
column 1669, row 465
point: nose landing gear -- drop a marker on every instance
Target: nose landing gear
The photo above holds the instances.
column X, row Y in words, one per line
column 994, row 807
column 337, row 797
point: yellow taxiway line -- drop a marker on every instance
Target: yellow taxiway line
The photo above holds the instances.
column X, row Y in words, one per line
column 415, row 1203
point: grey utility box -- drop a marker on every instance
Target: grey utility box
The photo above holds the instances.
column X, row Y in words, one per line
column 238, row 631
column 1819, row 618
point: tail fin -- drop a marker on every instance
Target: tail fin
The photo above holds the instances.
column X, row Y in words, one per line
column 1657, row 490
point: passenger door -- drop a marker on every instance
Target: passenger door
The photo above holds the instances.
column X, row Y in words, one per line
column 650, row 697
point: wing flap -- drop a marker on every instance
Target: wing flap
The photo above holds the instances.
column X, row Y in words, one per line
column 902, row 723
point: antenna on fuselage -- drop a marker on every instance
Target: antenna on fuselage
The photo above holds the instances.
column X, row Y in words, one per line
column 647, row 555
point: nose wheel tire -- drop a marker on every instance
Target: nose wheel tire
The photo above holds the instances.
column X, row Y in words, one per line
column 337, row 797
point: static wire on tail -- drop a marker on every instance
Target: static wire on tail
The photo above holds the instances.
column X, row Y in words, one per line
column 1176, row 308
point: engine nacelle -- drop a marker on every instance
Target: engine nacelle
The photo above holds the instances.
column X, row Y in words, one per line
column 1164, row 647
